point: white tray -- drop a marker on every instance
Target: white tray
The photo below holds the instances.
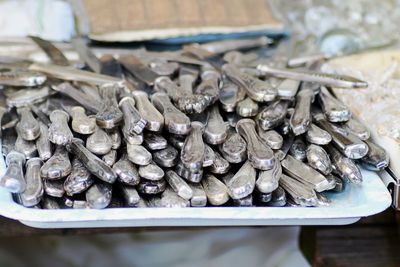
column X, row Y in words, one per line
column 347, row 207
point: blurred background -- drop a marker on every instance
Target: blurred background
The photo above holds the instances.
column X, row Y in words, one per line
column 334, row 28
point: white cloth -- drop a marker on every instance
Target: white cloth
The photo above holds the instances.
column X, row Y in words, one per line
column 49, row 19
column 224, row 247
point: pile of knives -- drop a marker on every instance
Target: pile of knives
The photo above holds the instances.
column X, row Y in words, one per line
column 213, row 124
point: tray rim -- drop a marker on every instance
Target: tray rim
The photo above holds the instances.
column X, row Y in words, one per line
column 203, row 216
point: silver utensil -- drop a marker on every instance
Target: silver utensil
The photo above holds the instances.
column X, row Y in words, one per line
column 242, row 183
column 126, row 171
column 268, row 181
column 319, row 159
column 175, row 121
column 94, row 165
column 79, row 180
column 260, row 155
column 260, row 91
column 33, row 193
column 192, row 153
column 333, row 80
column 155, row 121
column 216, row 191
column 151, row 172
column 305, row 174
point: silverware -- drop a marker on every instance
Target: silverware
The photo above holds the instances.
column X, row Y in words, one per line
column 298, row 149
column 98, row 196
column 268, row 181
column 109, row 115
column 78, row 180
column 209, row 156
column 216, row 191
column 319, row 159
column 58, row 166
column 167, row 157
column 88, row 103
column 110, row 158
column 155, row 121
column 260, row 155
column 215, row 131
column 271, row 138
column 287, row 89
column 170, row 199
column 110, row 66
column 210, row 85
column 139, row 70
column 99, row 142
column 242, row 183
column 192, row 153
column 33, row 193
column 81, row 123
column 179, row 185
column 94, row 165
column 130, row 195
column 357, row 128
column 21, row 77
column 194, row 177
column 260, row 91
column 333, row 109
column 50, row 203
column 54, row 188
column 199, row 197
column 177, row 140
column 175, row 121
column 278, row 198
column 349, row 144
column 163, row 67
column 220, row 165
column 287, row 144
column 27, row 148
column 28, row 127
column 151, row 172
column 272, row 115
column 327, row 79
column 299, row 193
column 230, row 94
column 243, row 202
column 301, row 117
column 126, row 171
column 322, row 200
column 183, row 98
column 247, row 108
column 138, row 154
column 234, row 149
column 339, row 183
column 132, row 138
column 154, row 141
column 305, row 174
column 86, row 54
column 59, row 132
column 318, row 136
column 68, row 73
column 344, row 167
column 220, row 47
column 151, row 187
column 376, row 158
column 116, row 139
column 13, row 179
column 262, row 198
column 24, row 98
column 55, row 55
column 133, row 121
